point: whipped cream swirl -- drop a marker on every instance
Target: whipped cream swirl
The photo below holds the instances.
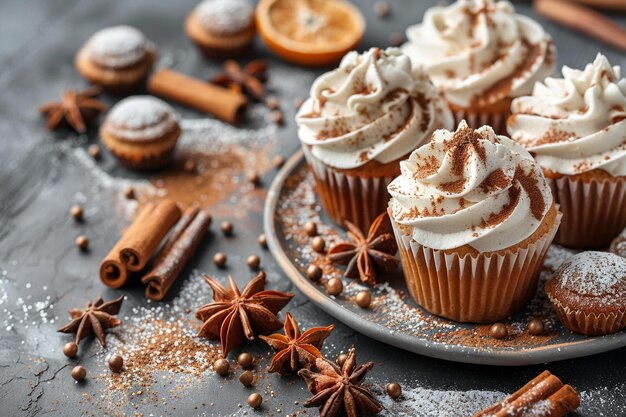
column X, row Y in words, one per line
column 470, row 187
column 375, row 106
column 479, row 52
column 118, row 47
column 141, row 118
column 576, row 123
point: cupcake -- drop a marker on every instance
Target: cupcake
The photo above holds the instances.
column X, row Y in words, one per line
column 141, row 131
column 474, row 217
column 575, row 127
column 360, row 121
column 481, row 55
column 222, row 28
column 588, row 293
column 117, row 58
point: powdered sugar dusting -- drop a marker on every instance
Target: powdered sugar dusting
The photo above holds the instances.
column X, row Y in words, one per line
column 422, row 402
column 596, row 401
column 158, row 342
column 126, row 208
column 204, row 134
column 141, row 118
column 593, row 273
column 117, row 46
column 225, row 17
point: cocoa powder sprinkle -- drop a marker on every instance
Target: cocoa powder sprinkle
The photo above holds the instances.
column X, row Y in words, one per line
column 497, row 180
column 459, row 146
column 529, row 183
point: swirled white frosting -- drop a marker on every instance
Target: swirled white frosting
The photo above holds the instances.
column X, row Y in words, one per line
column 118, row 46
column 375, row 106
column 141, row 118
column 470, row 187
column 479, row 51
column 576, row 123
column 225, row 17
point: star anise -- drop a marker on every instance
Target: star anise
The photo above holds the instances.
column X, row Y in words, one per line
column 364, row 256
column 248, row 79
column 295, row 350
column 236, row 315
column 75, row 109
column 96, row 318
column 338, row 391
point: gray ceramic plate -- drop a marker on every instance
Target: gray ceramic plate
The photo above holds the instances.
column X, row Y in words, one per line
column 394, row 318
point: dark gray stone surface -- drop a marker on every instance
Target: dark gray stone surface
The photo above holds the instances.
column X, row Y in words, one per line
column 39, row 265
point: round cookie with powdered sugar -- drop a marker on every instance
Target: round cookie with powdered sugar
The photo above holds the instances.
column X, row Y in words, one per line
column 222, row 28
column 117, row 58
column 588, row 293
column 141, row 131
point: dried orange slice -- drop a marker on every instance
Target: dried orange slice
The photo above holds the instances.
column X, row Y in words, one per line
column 310, row 32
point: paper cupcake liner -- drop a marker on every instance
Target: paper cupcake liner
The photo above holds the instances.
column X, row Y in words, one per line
column 476, row 120
column 481, row 289
column 142, row 158
column 594, row 211
column 147, row 163
column 344, row 197
column 589, row 324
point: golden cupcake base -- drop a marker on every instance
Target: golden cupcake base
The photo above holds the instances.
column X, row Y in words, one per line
column 475, row 287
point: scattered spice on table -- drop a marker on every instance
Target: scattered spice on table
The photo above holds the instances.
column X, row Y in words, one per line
column 296, row 350
column 76, row 109
column 339, row 390
column 248, row 79
column 95, row 318
column 367, row 255
column 237, row 315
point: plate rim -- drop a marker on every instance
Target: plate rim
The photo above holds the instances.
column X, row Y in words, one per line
column 377, row 331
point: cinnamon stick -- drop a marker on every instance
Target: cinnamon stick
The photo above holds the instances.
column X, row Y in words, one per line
column 583, row 19
column 545, row 392
column 113, row 272
column 178, row 249
column 525, row 401
column 223, row 103
column 148, row 233
column 563, row 401
column 619, row 5
column 498, row 406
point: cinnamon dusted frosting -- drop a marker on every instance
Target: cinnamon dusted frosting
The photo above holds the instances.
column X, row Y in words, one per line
column 479, row 51
column 375, row 106
column 470, row 187
column 141, row 118
column 118, row 47
column 576, row 123
column 225, row 17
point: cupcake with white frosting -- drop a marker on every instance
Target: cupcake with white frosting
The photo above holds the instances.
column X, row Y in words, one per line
column 117, row 58
column 474, row 217
column 481, row 55
column 141, row 132
column 575, row 128
column 360, row 121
